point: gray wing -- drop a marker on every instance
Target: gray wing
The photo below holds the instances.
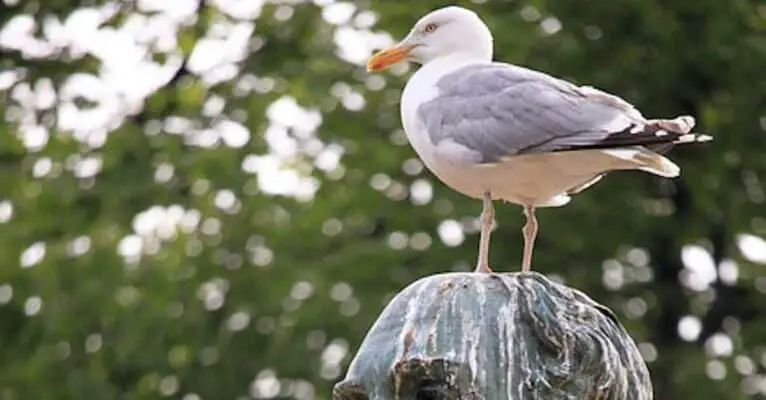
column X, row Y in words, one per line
column 500, row 110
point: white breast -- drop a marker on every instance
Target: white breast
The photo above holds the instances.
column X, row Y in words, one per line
column 419, row 89
column 422, row 88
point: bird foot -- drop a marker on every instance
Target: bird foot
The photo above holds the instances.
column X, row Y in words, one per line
column 483, row 269
column 526, row 269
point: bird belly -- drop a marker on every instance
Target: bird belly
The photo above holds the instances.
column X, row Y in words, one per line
column 532, row 179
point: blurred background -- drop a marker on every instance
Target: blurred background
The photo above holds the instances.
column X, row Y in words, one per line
column 211, row 199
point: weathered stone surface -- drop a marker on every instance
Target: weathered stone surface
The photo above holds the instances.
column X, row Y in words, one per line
column 495, row 336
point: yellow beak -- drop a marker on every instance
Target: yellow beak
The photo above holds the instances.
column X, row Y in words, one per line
column 384, row 59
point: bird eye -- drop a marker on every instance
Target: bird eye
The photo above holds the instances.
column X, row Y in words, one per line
column 430, row 28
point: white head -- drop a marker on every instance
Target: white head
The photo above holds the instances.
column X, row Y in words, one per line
column 443, row 32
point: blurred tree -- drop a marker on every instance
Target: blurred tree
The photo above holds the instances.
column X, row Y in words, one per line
column 213, row 200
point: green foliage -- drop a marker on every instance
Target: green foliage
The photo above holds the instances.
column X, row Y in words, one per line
column 153, row 246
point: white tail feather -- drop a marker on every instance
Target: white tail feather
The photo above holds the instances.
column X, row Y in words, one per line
column 555, row 201
column 647, row 161
column 661, row 166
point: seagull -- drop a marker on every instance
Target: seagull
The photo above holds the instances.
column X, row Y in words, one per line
column 497, row 131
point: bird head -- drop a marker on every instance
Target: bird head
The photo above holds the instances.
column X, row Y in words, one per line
column 443, row 32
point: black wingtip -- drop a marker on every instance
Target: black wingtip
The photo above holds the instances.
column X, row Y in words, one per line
column 659, row 136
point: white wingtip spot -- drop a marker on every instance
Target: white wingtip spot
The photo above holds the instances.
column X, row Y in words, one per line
column 692, row 138
column 682, row 124
column 687, row 120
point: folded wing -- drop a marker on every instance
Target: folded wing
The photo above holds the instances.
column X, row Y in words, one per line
column 500, row 110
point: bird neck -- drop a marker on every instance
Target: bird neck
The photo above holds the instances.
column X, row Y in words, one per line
column 443, row 65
